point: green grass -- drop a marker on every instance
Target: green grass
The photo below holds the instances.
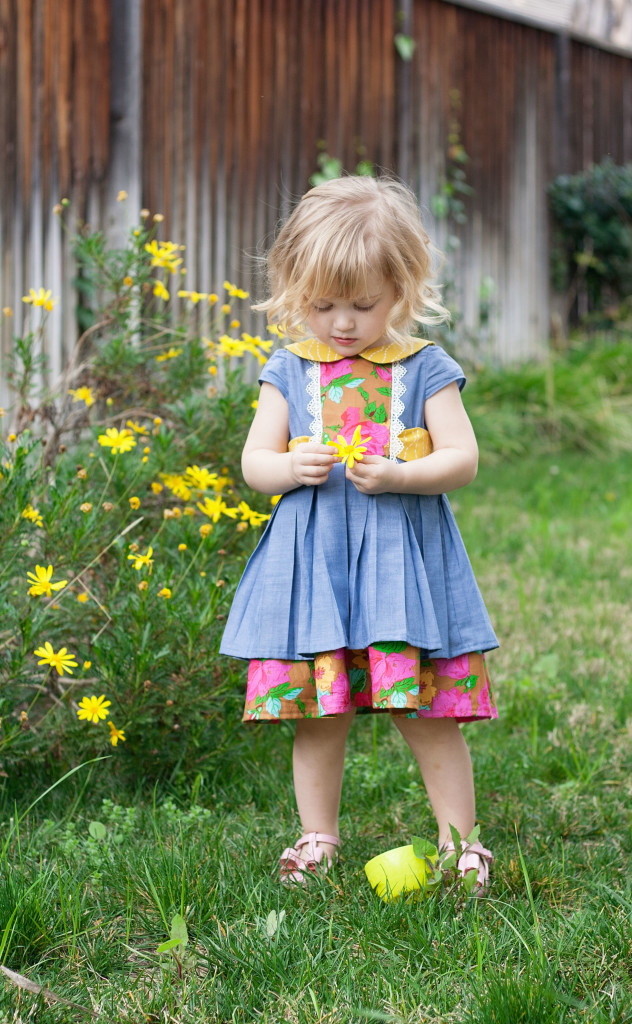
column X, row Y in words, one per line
column 550, row 541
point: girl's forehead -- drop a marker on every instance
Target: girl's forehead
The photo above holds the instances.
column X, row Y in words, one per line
column 369, row 287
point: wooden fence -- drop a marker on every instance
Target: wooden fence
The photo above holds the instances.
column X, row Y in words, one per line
column 212, row 112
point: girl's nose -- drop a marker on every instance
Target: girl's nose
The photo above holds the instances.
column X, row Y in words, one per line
column 343, row 320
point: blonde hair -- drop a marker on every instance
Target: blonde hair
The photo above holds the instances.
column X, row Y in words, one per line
column 340, row 234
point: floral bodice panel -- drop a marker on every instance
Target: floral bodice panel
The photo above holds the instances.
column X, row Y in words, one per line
column 327, row 397
column 355, row 392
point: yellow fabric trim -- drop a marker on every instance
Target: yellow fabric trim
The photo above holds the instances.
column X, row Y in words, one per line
column 416, row 440
column 417, row 444
column 317, row 352
column 292, row 443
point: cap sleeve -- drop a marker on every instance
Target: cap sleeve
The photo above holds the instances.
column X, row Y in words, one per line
column 441, row 370
column 275, row 372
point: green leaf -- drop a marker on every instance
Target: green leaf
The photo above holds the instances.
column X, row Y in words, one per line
column 473, row 836
column 405, row 46
column 424, row 849
column 97, row 830
column 380, row 414
column 274, row 922
column 169, row 944
column 179, row 933
column 456, row 839
column 469, row 880
column 384, row 391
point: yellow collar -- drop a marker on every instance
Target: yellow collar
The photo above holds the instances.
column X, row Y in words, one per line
column 320, row 353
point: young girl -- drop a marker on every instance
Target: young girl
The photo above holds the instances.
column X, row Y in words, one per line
column 360, row 596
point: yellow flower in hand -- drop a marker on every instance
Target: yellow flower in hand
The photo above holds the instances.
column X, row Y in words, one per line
column 350, row 453
column 41, row 580
column 94, row 709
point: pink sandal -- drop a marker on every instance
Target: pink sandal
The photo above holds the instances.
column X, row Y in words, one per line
column 295, row 862
column 473, row 858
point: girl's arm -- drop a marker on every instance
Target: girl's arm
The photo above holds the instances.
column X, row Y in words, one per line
column 266, row 464
column 452, row 464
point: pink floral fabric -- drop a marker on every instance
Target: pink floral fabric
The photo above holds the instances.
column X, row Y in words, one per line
column 357, row 393
column 386, row 677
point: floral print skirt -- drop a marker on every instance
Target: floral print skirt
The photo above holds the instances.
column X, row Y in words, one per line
column 388, row 676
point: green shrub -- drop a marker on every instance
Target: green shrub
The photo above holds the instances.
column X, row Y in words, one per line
column 124, row 530
column 592, row 241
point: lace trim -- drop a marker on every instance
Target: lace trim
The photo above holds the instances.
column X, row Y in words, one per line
column 314, row 406
column 398, row 389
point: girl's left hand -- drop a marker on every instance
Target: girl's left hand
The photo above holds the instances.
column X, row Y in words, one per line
column 373, row 475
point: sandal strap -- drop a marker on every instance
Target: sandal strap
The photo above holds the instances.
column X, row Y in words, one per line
column 317, row 837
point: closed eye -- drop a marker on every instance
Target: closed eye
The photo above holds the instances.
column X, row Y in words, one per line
column 361, row 309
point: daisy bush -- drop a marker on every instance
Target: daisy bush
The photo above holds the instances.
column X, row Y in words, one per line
column 124, row 518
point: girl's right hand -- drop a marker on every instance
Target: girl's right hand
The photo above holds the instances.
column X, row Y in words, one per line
column 311, row 463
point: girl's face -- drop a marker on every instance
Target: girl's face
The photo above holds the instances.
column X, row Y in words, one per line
column 351, row 325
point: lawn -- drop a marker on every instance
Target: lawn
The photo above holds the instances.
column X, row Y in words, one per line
column 93, row 876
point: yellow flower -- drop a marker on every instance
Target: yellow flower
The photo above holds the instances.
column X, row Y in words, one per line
column 235, row 324
column 12, row 438
column 62, row 661
column 117, row 440
column 182, row 547
column 231, row 346
column 115, row 734
column 249, row 515
column 159, row 217
column 212, row 299
column 94, row 709
column 163, row 254
column 144, row 214
column 86, row 507
column 87, row 664
column 171, row 354
column 161, row 292
column 136, row 427
column 7, row 310
column 134, row 502
column 213, row 369
column 121, row 196
column 156, row 487
column 215, row 507
column 41, row 580
column 226, row 308
column 82, row 394
column 165, row 592
column 157, row 421
column 142, row 560
column 175, row 482
column 40, row 298
column 200, row 478
column 205, row 529
column 33, row 514
column 253, row 405
column 143, row 585
column 82, row 598
column 128, row 281
column 350, row 453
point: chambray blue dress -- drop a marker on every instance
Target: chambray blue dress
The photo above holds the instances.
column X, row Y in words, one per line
column 336, row 568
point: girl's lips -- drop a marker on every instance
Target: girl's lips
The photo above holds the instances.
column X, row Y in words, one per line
column 345, row 341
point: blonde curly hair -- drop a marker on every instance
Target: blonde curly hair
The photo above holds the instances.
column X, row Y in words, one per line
column 341, row 234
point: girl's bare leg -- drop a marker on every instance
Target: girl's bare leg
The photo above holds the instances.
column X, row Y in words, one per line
column 446, row 768
column 319, row 753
